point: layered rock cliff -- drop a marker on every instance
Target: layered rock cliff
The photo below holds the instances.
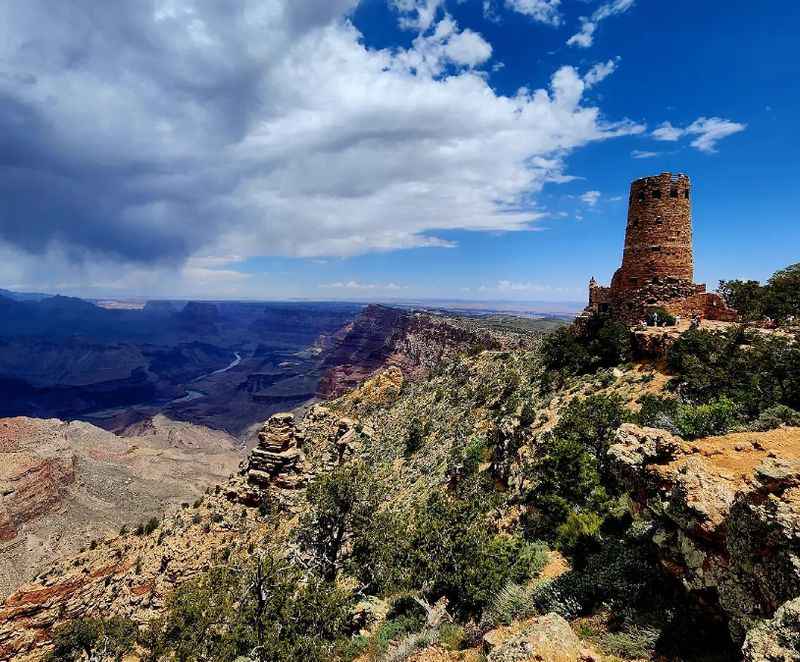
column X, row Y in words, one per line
column 63, row 484
column 413, row 341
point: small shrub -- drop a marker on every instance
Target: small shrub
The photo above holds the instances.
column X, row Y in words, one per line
column 775, row 417
column 690, row 421
column 152, row 525
column 602, row 343
column 633, row 642
column 579, row 530
column 414, row 437
column 658, row 412
column 714, row 418
column 451, row 636
column 512, row 602
column 91, row 638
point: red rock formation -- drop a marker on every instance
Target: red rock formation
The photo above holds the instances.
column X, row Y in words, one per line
column 382, row 337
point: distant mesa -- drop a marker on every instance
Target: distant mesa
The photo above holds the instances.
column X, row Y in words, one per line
column 198, row 312
column 160, row 308
column 657, row 262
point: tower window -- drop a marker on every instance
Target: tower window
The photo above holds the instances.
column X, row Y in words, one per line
column 686, row 194
column 641, row 196
column 659, row 220
column 657, row 193
column 673, row 192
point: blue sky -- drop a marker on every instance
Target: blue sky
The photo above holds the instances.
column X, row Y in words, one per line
column 382, row 149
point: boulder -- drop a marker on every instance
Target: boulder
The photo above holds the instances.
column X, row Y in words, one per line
column 777, row 639
column 546, row 638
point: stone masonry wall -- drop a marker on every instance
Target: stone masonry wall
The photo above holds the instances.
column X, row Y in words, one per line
column 658, row 236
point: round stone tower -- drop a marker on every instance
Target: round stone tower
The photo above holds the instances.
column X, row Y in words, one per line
column 658, row 237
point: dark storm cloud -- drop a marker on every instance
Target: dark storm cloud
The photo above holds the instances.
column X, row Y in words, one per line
column 111, row 116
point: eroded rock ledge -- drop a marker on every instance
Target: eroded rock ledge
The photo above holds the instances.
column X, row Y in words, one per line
column 727, row 511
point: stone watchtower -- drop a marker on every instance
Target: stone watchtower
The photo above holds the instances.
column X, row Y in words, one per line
column 658, row 237
column 657, row 262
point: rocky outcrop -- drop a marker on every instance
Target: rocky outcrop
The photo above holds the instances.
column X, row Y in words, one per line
column 727, row 511
column 32, row 484
column 278, row 459
column 276, row 467
column 546, row 638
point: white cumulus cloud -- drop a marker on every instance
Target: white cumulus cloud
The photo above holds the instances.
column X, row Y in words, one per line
column 585, row 37
column 590, row 198
column 600, row 71
column 708, row 131
column 416, row 14
column 544, row 11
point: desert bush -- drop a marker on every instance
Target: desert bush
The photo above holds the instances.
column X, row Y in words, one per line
column 687, row 420
column 779, row 298
column 592, row 422
column 443, row 546
column 152, row 525
column 783, row 293
column 622, row 572
column 715, row 418
column 569, row 475
column 747, row 297
column 579, row 530
column 342, row 504
column 635, row 642
column 512, row 602
column 93, row 638
column 658, row 412
column 565, row 480
column 753, row 371
column 264, row 611
column 414, row 437
column 602, row 343
column 775, row 417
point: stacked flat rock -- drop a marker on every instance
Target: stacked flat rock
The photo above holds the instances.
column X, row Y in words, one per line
column 278, row 459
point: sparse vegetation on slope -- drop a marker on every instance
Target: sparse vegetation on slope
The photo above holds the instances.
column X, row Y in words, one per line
column 433, row 510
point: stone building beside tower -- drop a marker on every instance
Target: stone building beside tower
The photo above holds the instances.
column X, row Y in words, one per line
column 657, row 262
